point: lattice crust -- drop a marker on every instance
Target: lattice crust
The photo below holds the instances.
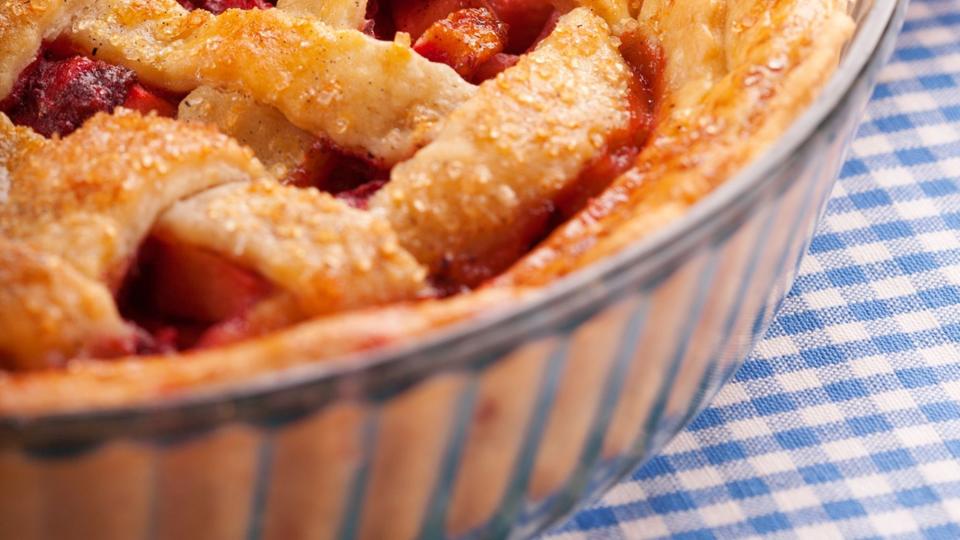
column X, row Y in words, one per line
column 74, row 212
column 367, row 96
column 86, row 203
column 24, row 24
column 91, row 198
column 328, row 256
column 470, row 202
column 241, row 117
column 783, row 57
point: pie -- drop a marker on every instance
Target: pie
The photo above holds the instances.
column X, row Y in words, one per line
column 199, row 191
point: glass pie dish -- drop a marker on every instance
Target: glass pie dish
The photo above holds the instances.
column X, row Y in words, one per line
column 494, row 427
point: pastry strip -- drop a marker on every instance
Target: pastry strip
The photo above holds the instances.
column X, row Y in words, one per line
column 469, row 203
column 329, row 256
column 278, row 144
column 612, row 11
column 369, row 97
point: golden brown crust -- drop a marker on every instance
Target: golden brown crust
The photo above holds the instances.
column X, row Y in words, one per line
column 696, row 59
column 15, row 143
column 615, row 12
column 73, row 214
column 367, row 96
column 792, row 50
column 470, row 202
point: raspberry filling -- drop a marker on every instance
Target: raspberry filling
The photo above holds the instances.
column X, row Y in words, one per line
column 528, row 22
column 57, row 95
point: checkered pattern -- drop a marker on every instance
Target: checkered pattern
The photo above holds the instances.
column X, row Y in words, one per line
column 846, row 421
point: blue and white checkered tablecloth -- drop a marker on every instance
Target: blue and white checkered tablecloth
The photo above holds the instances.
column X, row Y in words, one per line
column 846, row 420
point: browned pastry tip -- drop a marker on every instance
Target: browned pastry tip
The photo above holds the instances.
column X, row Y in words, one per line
column 80, row 207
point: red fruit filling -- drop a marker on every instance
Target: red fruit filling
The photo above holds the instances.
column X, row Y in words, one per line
column 518, row 26
column 177, row 293
column 350, row 178
column 57, row 95
column 464, row 40
column 527, row 21
column 219, row 6
column 492, row 67
column 379, row 20
column 359, row 196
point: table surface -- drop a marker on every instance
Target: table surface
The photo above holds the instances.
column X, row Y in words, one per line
column 845, row 422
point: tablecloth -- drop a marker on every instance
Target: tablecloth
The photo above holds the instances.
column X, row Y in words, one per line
column 845, row 422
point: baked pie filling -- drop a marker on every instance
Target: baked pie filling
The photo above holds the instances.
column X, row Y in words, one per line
column 199, row 190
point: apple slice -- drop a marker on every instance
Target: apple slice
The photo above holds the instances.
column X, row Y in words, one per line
column 139, row 98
